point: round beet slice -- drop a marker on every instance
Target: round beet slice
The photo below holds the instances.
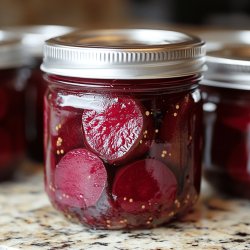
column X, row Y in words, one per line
column 118, row 130
column 144, row 185
column 68, row 134
column 169, row 154
column 80, row 178
column 176, row 114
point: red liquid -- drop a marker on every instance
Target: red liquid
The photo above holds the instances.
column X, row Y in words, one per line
column 117, row 159
column 12, row 139
column 35, row 91
column 227, row 148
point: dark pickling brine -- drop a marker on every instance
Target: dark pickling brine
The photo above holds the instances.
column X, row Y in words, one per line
column 13, row 76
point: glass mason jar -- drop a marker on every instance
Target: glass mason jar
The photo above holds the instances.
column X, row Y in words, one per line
column 226, row 94
column 33, row 38
column 122, row 126
column 13, row 76
column 216, row 39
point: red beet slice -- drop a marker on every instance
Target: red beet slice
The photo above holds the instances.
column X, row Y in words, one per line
column 80, row 178
column 67, row 134
column 175, row 115
column 144, row 185
column 239, row 162
column 118, row 130
column 176, row 153
column 169, row 154
column 181, row 127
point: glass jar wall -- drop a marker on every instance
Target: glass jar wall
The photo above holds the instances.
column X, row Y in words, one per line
column 33, row 38
column 226, row 93
column 13, row 76
column 123, row 151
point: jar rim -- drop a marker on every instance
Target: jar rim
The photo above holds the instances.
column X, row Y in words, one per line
column 174, row 84
column 218, row 38
column 240, row 85
column 124, row 54
column 34, row 36
column 12, row 53
column 229, row 67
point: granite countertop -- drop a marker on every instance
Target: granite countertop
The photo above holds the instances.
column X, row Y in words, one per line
column 27, row 221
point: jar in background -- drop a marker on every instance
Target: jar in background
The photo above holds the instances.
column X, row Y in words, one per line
column 13, row 76
column 123, row 126
column 33, row 38
column 217, row 39
column 226, row 94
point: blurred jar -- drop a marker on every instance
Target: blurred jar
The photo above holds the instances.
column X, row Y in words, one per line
column 33, row 38
column 13, row 77
column 226, row 94
column 216, row 39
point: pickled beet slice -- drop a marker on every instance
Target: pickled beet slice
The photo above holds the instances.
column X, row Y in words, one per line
column 80, row 178
column 175, row 115
column 168, row 154
column 176, row 152
column 68, row 134
column 239, row 162
column 118, row 130
column 144, row 185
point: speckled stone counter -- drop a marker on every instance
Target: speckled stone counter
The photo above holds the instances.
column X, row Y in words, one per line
column 27, row 221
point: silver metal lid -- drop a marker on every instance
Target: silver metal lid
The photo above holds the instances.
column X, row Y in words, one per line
column 229, row 67
column 217, row 39
column 12, row 54
column 34, row 36
column 124, row 54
